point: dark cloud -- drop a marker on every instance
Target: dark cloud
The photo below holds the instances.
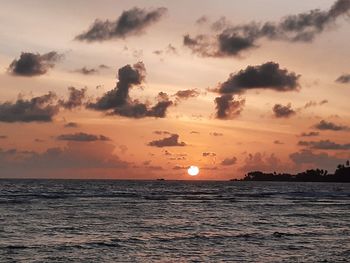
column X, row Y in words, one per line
column 185, row 94
column 128, row 76
column 345, row 78
column 158, row 52
column 227, row 107
column 31, row 64
column 103, row 66
column 3, row 136
column 208, row 154
column 325, row 125
column 161, row 132
column 278, row 142
column 265, row 76
column 39, row 109
column 86, row 71
column 71, row 125
column 216, row 134
column 195, row 132
column 309, row 134
column 319, row 160
column 314, row 103
column 281, row 111
column 131, row 22
column 82, row 137
column 229, row 161
column 325, row 145
column 231, row 40
column 172, row 140
column 75, row 99
column 233, row 44
column 118, row 102
column 170, row 49
column 91, row 71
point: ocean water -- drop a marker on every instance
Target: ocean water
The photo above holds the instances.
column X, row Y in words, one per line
column 173, row 221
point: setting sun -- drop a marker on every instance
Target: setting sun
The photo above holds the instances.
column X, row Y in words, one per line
column 193, row 170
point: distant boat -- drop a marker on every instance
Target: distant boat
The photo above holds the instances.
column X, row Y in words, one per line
column 160, row 179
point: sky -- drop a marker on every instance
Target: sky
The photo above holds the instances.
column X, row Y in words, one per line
column 144, row 89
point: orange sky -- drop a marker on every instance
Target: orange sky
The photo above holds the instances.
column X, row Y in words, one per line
column 280, row 83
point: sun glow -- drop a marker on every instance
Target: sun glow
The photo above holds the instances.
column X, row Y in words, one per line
column 193, row 170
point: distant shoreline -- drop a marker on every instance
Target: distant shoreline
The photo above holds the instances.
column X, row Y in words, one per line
column 341, row 175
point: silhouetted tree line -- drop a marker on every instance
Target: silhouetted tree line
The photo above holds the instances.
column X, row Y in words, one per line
column 341, row 174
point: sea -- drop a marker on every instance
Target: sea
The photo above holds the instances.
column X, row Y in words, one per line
column 173, row 221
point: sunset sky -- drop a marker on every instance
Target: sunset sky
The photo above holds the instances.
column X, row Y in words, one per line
column 144, row 89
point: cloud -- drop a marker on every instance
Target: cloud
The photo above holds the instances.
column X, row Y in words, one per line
column 86, row 71
column 82, row 137
column 325, row 145
column 71, row 125
column 170, row 49
column 31, row 64
column 75, row 99
column 319, row 160
column 281, row 111
column 262, row 162
column 158, row 52
column 232, row 40
column 202, row 20
column 103, row 66
column 216, row 134
column 90, row 71
column 185, row 94
column 345, row 78
column 56, row 161
column 128, row 77
column 38, row 109
column 217, row 46
column 41, row 108
column 161, row 132
column 179, row 167
column 278, row 142
column 172, row 140
column 314, row 103
column 131, row 22
column 265, row 76
column 325, row 125
column 208, row 154
column 229, row 161
column 309, row 134
column 227, row 107
column 3, row 136
column 118, row 102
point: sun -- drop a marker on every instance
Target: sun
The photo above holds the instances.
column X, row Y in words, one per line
column 193, row 170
